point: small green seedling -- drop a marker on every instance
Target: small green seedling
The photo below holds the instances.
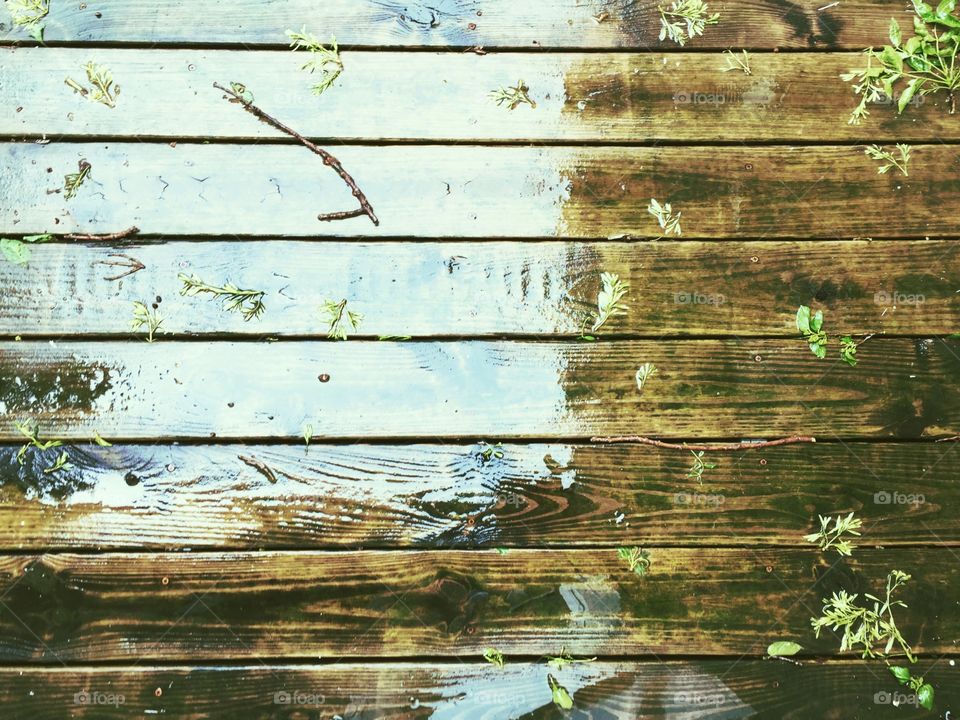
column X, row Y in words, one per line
column 811, row 327
column 612, row 292
column 644, row 373
column 102, row 88
column 73, row 181
column 494, row 657
column 18, row 251
column 30, row 15
column 637, row 559
column 30, row 431
column 737, row 62
column 100, row 441
column 323, row 60
column 923, row 690
column 307, row 435
column 924, row 64
column 249, row 303
column 564, row 658
column 832, row 538
column 848, row 350
column 696, row 470
column 60, row 464
column 338, row 317
column 513, row 97
column 685, row 19
column 864, row 628
column 668, row 221
column 490, row 452
column 145, row 317
column 875, row 152
column 561, row 697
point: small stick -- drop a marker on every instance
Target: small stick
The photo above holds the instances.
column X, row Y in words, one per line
column 132, row 230
column 132, row 263
column 949, row 439
column 328, row 159
column 706, row 448
column 259, row 466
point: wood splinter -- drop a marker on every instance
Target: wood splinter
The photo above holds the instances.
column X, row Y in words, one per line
column 728, row 447
column 328, row 159
column 259, row 466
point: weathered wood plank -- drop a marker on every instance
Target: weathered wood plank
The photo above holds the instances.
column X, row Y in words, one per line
column 689, row 690
column 494, row 288
column 440, row 496
column 701, row 601
column 445, row 96
column 464, row 23
column 711, row 388
column 749, row 192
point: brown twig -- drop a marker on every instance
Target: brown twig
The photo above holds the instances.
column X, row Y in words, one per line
column 954, row 438
column 259, row 466
column 748, row 445
column 132, row 230
column 132, row 263
column 328, row 159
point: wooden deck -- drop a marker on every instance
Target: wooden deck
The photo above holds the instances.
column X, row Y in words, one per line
column 210, row 563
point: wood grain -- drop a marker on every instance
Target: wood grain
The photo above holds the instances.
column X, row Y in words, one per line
column 514, row 192
column 463, row 23
column 701, row 690
column 492, row 288
column 441, row 496
column 702, row 601
column 446, row 96
column 711, row 388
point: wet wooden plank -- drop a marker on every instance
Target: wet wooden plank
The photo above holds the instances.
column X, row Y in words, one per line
column 492, row 288
column 470, row 691
column 580, row 97
column 701, row 601
column 443, row 496
column 518, row 192
column 710, row 388
column 464, row 23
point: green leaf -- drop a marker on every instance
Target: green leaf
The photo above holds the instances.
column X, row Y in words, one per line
column 907, row 95
column 783, row 648
column 901, row 673
column 895, row 35
column 803, row 320
column 912, row 45
column 924, row 11
column 817, row 322
column 819, row 350
column 946, row 7
column 891, row 58
column 35, row 30
column 925, row 696
column 15, row 251
column 100, row 441
column 561, row 698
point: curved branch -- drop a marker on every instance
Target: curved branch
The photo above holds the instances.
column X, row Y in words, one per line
column 729, row 447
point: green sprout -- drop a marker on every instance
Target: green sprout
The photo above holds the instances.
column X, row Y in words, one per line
column 102, row 88
column 494, row 657
column 685, row 19
column 637, row 559
column 811, row 327
column 828, row 538
column 513, row 97
column 668, row 221
column 145, row 317
column 875, row 152
column 338, row 317
column 249, row 303
column 324, row 60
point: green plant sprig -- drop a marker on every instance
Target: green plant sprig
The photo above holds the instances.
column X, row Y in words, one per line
column 698, row 467
column 338, row 317
column 30, row 430
column 924, row 690
column 324, row 60
column 736, row 61
column 102, row 88
column 828, row 538
column 865, row 628
column 144, row 316
column 685, row 19
column 875, row 152
column 62, row 463
column 564, row 658
column 73, row 181
column 514, row 96
column 637, row 559
column 612, row 292
column 247, row 302
column 668, row 221
column 494, row 657
column 924, row 64
column 30, row 15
